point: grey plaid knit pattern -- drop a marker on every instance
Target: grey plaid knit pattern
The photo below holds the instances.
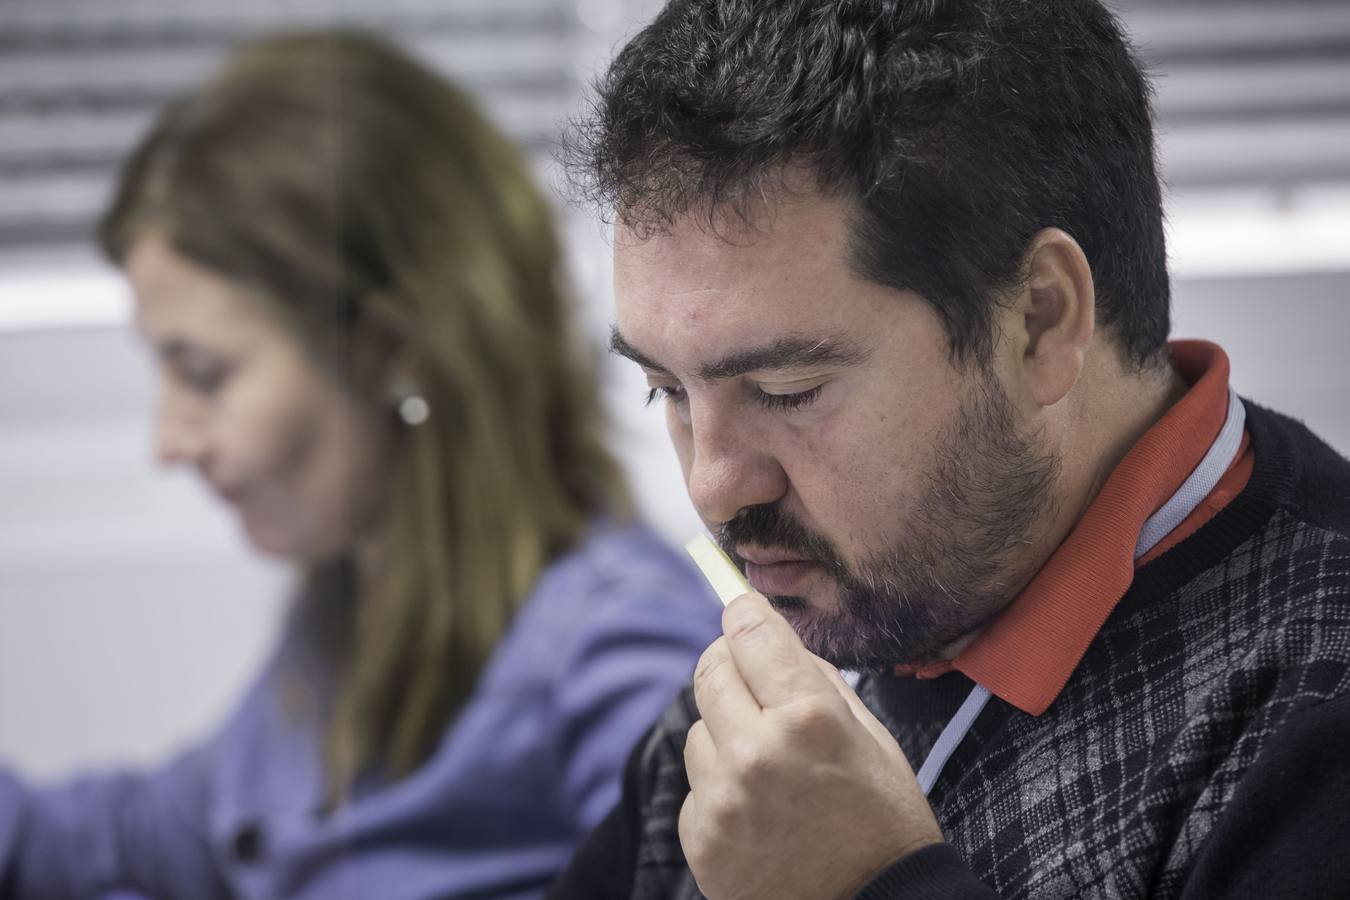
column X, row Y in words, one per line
column 1111, row 792
column 1115, row 789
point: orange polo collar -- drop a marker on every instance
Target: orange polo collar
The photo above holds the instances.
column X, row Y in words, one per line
column 1028, row 653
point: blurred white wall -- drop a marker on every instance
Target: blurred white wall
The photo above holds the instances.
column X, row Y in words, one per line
column 1286, row 336
column 131, row 613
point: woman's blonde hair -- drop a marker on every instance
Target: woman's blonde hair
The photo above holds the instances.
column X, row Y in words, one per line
column 370, row 204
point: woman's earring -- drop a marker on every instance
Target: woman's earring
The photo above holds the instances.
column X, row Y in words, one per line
column 412, row 407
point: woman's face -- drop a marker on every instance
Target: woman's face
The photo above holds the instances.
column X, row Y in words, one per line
column 272, row 433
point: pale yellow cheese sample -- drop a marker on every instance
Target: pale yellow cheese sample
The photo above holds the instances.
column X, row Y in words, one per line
column 720, row 571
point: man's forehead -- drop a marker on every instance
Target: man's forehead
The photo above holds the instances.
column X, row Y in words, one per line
column 797, row 233
column 688, row 276
column 689, row 298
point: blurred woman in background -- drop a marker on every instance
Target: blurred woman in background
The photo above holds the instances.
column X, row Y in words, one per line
column 353, row 289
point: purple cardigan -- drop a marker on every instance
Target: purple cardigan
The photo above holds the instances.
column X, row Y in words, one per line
column 531, row 764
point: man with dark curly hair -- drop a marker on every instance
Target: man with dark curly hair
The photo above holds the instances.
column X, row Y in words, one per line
column 896, row 269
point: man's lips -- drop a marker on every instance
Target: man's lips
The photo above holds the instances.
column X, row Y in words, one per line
column 779, row 578
column 761, row 556
column 774, row 571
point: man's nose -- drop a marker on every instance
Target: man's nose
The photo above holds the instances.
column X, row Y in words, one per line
column 730, row 469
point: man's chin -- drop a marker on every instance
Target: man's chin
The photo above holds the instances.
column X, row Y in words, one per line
column 826, row 634
column 847, row 643
column 805, row 617
column 788, row 606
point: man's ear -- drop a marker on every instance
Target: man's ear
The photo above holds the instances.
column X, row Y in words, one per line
column 1056, row 313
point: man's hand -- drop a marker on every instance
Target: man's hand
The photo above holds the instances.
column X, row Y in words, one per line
column 797, row 791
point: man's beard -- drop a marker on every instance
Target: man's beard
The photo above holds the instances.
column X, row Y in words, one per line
column 963, row 553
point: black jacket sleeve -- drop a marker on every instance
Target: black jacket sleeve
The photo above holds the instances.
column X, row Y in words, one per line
column 1286, row 832
column 937, row 872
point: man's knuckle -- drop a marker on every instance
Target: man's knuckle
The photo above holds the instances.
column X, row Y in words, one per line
column 711, row 661
column 744, row 622
column 722, row 814
column 752, row 762
column 706, row 670
column 690, row 830
column 693, row 737
column 811, row 718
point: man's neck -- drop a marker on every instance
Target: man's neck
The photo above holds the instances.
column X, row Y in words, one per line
column 1114, row 417
column 1112, row 407
column 1108, row 411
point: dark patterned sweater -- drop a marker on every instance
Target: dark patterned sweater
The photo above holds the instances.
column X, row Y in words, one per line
column 1201, row 749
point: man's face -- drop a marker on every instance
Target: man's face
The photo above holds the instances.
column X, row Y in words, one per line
column 879, row 494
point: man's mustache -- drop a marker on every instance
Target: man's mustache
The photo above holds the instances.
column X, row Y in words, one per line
column 768, row 526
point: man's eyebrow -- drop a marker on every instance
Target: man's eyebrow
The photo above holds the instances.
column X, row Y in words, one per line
column 784, row 353
column 788, row 352
column 621, row 347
